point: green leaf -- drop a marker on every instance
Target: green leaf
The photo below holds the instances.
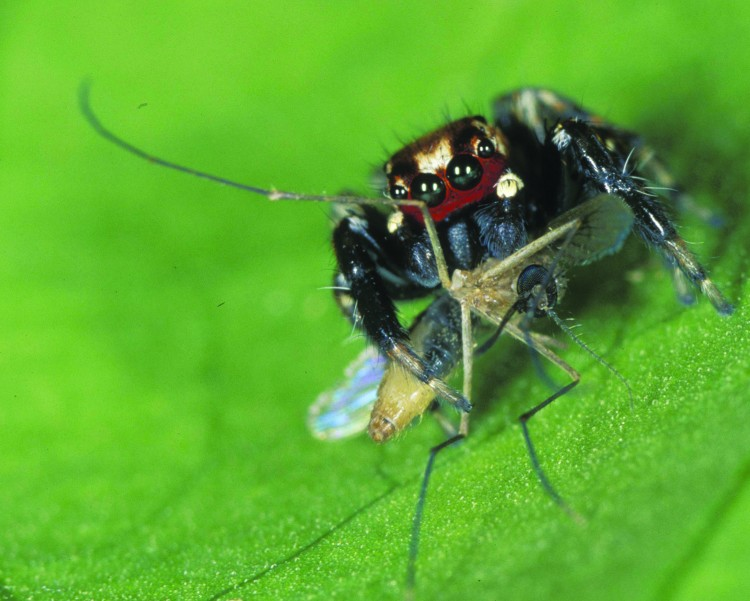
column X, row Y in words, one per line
column 163, row 337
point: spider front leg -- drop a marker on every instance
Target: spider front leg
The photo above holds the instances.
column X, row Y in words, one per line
column 589, row 157
column 369, row 279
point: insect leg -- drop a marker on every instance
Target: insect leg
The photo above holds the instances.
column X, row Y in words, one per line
column 575, row 377
column 411, row 568
column 467, row 345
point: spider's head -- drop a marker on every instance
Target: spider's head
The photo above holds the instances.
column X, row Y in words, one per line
column 459, row 164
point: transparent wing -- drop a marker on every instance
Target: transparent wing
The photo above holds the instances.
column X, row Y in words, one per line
column 586, row 233
column 344, row 410
column 604, row 223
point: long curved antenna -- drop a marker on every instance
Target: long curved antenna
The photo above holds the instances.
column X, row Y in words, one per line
column 84, row 103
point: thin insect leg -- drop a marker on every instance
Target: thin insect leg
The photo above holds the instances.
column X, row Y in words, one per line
column 467, row 343
column 524, row 419
column 547, row 341
column 446, row 425
column 411, row 567
column 437, row 248
column 489, row 343
column 541, row 372
column 551, row 491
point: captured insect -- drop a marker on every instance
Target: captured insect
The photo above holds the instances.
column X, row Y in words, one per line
column 530, row 282
column 484, row 217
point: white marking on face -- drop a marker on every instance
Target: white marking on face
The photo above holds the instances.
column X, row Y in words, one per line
column 435, row 158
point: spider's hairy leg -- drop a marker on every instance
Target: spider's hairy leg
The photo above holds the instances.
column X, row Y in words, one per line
column 587, row 154
column 535, row 110
column 375, row 310
column 436, row 335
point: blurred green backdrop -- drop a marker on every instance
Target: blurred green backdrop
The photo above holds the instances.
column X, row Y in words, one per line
column 162, row 337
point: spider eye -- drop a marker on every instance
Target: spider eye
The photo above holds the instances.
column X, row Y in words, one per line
column 485, row 148
column 428, row 187
column 397, row 192
column 529, row 292
column 464, row 172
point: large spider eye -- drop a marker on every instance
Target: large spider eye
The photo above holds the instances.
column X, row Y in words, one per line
column 428, row 187
column 398, row 192
column 530, row 293
column 485, row 148
column 464, row 172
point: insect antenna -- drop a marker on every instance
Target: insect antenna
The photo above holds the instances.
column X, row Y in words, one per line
column 575, row 338
column 416, row 527
column 84, row 102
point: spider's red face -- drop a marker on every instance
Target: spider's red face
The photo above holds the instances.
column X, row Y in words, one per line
column 450, row 168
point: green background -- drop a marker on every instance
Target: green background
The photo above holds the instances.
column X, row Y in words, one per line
column 162, row 337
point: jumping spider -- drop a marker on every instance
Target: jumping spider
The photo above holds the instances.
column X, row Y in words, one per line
column 489, row 189
column 470, row 193
column 485, row 217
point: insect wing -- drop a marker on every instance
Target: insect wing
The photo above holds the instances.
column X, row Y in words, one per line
column 586, row 233
column 344, row 410
column 604, row 222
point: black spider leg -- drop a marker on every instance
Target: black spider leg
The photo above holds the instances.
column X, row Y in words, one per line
column 640, row 161
column 588, row 156
column 527, row 115
column 363, row 294
column 411, row 566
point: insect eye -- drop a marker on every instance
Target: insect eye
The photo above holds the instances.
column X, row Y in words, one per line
column 485, row 148
column 527, row 286
column 397, row 192
column 464, row 172
column 428, row 187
